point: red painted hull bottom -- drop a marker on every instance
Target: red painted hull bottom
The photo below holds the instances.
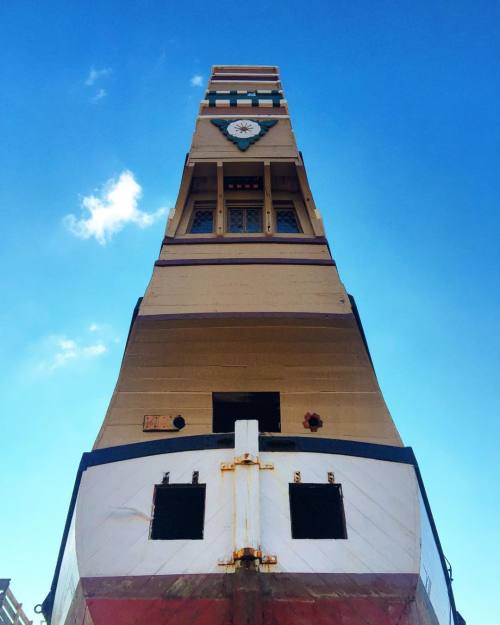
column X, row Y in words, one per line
column 251, row 598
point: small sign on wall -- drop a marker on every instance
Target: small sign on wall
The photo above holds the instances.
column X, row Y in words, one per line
column 163, row 423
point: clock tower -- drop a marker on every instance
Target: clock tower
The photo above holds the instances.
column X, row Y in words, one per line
column 247, row 470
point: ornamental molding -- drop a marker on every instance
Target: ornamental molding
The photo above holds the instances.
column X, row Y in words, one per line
column 243, row 132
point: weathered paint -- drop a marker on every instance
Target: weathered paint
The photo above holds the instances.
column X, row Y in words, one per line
column 251, row 598
column 317, row 361
column 114, row 510
column 247, row 535
column 381, row 500
column 112, row 540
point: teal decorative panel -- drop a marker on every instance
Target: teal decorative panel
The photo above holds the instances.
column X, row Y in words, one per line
column 243, row 132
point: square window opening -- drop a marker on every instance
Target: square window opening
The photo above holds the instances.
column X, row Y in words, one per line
column 178, row 512
column 317, row 511
column 231, row 407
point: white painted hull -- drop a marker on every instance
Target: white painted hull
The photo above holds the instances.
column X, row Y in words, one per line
column 388, row 532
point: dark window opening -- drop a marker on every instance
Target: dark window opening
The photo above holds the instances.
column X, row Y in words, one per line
column 202, row 221
column 286, row 221
column 243, row 183
column 179, row 512
column 230, row 407
column 317, row 511
column 244, row 220
column 244, row 216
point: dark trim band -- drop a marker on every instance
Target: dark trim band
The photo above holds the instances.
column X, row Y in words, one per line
column 245, row 78
column 355, row 312
column 375, row 451
column 225, row 111
column 187, row 262
column 132, row 321
column 249, row 315
column 341, row 447
column 156, row 447
column 271, row 239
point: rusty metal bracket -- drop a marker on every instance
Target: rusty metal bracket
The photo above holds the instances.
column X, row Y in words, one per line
column 269, row 560
column 264, row 466
column 247, row 554
column 245, row 460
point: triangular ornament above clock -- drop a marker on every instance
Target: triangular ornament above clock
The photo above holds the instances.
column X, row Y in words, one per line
column 244, row 132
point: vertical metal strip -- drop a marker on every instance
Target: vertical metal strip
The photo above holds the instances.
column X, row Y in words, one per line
column 246, row 489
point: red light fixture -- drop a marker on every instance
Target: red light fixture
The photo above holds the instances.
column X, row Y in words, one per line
column 312, row 421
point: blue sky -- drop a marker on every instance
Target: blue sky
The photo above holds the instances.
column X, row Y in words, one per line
column 395, row 107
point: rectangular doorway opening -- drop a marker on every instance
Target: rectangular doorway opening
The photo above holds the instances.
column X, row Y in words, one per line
column 230, row 407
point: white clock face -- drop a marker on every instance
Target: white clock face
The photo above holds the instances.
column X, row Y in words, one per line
column 243, row 128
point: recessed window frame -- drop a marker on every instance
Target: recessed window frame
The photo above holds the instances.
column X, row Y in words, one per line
column 281, row 206
column 270, row 415
column 244, row 205
column 154, row 532
column 199, row 206
column 307, row 517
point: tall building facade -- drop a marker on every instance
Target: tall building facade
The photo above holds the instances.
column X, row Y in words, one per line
column 248, row 470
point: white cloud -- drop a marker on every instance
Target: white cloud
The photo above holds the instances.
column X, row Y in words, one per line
column 96, row 74
column 94, row 350
column 102, row 93
column 66, row 350
column 77, row 353
column 197, row 80
column 60, row 351
column 67, row 344
column 109, row 212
